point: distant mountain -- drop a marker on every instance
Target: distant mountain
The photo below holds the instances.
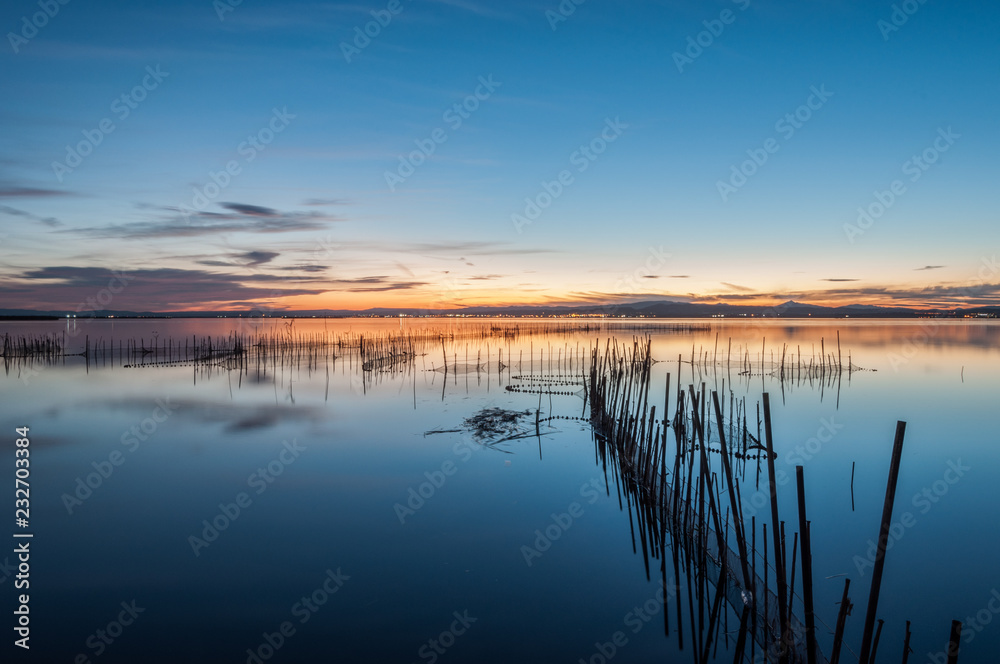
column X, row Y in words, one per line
column 794, row 304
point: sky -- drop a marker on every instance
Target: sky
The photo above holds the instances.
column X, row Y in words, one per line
column 237, row 154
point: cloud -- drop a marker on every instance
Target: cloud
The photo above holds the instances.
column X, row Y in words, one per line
column 32, row 192
column 259, row 257
column 363, row 280
column 157, row 289
column 245, row 259
column 376, row 284
column 241, row 218
column 930, row 267
column 650, row 276
column 250, row 210
column 680, row 276
column 304, row 268
column 473, row 248
column 320, row 202
column 598, row 297
column 736, row 287
column 48, row 221
column 839, row 279
column 449, row 250
column 346, row 251
column 402, row 285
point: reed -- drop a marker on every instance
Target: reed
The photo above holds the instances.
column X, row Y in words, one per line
column 681, row 499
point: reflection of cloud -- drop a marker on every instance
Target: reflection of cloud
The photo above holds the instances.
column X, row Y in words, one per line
column 236, row 418
column 260, row 418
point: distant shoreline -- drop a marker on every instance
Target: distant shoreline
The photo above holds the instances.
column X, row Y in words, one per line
column 581, row 318
column 30, row 318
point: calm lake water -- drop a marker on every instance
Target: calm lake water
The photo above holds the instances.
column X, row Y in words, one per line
column 310, row 511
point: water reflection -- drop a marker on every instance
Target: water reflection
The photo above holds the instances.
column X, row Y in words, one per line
column 363, row 433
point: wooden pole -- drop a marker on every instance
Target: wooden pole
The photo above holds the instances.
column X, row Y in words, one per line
column 883, row 541
column 852, row 486
column 840, row 358
column 807, row 590
column 956, row 637
column 838, row 636
column 878, row 635
column 779, row 563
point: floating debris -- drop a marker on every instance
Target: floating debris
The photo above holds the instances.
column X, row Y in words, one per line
column 496, row 422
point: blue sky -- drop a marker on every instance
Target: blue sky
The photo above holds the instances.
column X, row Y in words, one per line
column 310, row 221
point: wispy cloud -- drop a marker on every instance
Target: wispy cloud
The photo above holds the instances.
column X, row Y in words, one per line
column 250, row 210
column 375, row 284
column 304, row 268
column 246, row 259
column 239, row 218
column 401, row 285
column 602, row 298
column 32, row 192
column 324, row 202
column 474, row 248
column 449, row 251
column 930, row 267
column 52, row 222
